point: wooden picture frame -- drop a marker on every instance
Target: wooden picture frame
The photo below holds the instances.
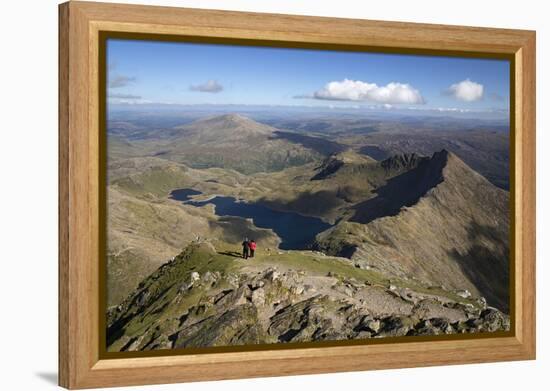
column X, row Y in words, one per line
column 80, row 168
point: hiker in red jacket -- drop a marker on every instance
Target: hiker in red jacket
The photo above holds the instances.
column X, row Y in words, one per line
column 252, row 246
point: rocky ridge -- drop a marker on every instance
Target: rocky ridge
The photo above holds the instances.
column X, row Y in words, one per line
column 441, row 230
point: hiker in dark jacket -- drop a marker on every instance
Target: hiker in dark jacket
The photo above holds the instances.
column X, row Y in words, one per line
column 246, row 248
column 252, row 246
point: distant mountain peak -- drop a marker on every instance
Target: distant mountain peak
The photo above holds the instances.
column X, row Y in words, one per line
column 237, row 142
column 233, row 117
column 233, row 124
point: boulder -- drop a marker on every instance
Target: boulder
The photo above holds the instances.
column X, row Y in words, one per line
column 195, row 276
column 258, row 297
column 272, row 275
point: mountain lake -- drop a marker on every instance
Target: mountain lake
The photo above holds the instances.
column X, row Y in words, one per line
column 295, row 230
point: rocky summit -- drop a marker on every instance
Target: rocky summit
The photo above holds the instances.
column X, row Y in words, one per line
column 209, row 297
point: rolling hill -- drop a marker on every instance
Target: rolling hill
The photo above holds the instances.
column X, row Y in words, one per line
column 233, row 142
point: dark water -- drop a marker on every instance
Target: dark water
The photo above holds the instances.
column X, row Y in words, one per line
column 183, row 194
column 296, row 231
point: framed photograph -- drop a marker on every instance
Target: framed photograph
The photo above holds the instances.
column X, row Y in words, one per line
column 247, row 195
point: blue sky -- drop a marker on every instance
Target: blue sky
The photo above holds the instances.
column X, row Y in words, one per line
column 185, row 73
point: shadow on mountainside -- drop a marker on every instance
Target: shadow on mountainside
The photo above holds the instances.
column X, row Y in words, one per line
column 403, row 190
column 318, row 203
column 488, row 269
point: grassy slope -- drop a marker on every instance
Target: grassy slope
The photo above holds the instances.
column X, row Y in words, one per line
column 165, row 306
column 145, row 228
column 141, row 236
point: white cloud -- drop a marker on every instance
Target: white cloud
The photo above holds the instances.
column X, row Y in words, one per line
column 466, row 90
column 211, row 86
column 356, row 90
